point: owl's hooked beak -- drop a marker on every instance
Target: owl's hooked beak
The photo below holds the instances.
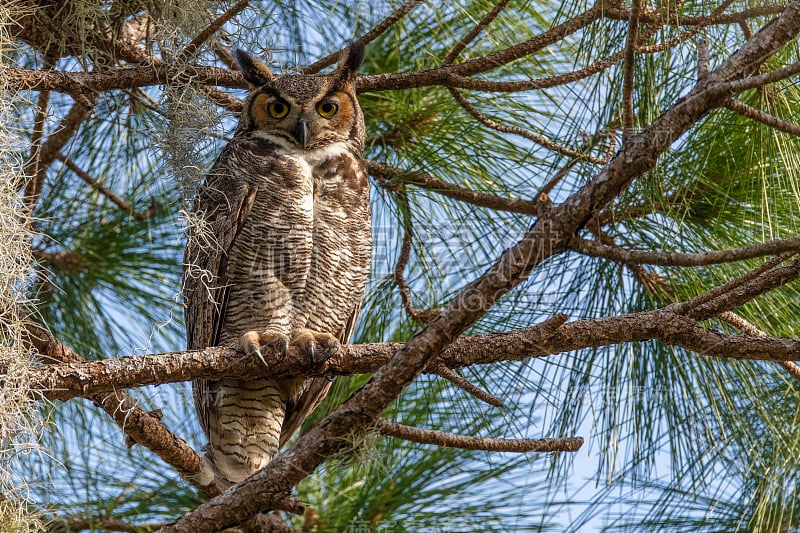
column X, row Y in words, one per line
column 301, row 132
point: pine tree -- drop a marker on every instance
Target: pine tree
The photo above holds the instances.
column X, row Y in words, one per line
column 597, row 203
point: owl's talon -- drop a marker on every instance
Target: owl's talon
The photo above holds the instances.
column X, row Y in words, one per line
column 257, row 353
column 318, row 347
column 252, row 341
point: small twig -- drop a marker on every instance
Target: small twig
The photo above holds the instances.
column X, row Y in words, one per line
column 725, row 297
column 468, row 387
column 685, row 36
column 449, row 440
column 703, row 59
column 751, row 329
column 476, row 30
column 425, row 316
column 367, row 38
column 388, row 177
column 33, row 167
column 109, row 524
column 765, row 118
column 764, row 79
column 116, row 200
column 204, row 35
column 516, row 130
column 628, row 70
column 746, row 30
column 548, row 187
column 670, row 16
column 615, row 253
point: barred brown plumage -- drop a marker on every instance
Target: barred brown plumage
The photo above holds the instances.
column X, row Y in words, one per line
column 280, row 254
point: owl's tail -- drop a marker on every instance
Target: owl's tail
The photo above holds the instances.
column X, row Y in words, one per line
column 244, row 428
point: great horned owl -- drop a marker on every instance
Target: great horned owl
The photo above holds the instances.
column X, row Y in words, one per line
column 279, row 255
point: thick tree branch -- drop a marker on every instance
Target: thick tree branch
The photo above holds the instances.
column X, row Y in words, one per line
column 126, row 78
column 143, row 427
column 550, row 337
column 449, row 440
column 614, row 10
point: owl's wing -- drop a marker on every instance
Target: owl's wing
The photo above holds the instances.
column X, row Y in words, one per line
column 297, row 412
column 221, row 207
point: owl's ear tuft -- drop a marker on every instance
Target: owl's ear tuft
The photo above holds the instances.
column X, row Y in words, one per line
column 254, row 71
column 351, row 60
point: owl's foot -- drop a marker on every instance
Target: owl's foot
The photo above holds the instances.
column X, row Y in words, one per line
column 252, row 341
column 319, row 347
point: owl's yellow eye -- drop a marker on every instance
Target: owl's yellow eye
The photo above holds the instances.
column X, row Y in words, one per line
column 327, row 109
column 277, row 109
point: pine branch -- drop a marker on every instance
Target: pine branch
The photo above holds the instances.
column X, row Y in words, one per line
column 521, row 132
column 449, row 440
column 212, row 28
column 474, row 32
column 455, row 76
column 367, row 38
column 388, row 175
column 90, row 379
column 534, row 44
column 685, row 36
column 750, row 329
column 667, row 15
column 102, row 524
column 468, row 387
column 615, row 253
column 767, row 78
column 116, row 200
column 139, row 425
column 765, row 118
column 629, row 67
column 740, row 290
